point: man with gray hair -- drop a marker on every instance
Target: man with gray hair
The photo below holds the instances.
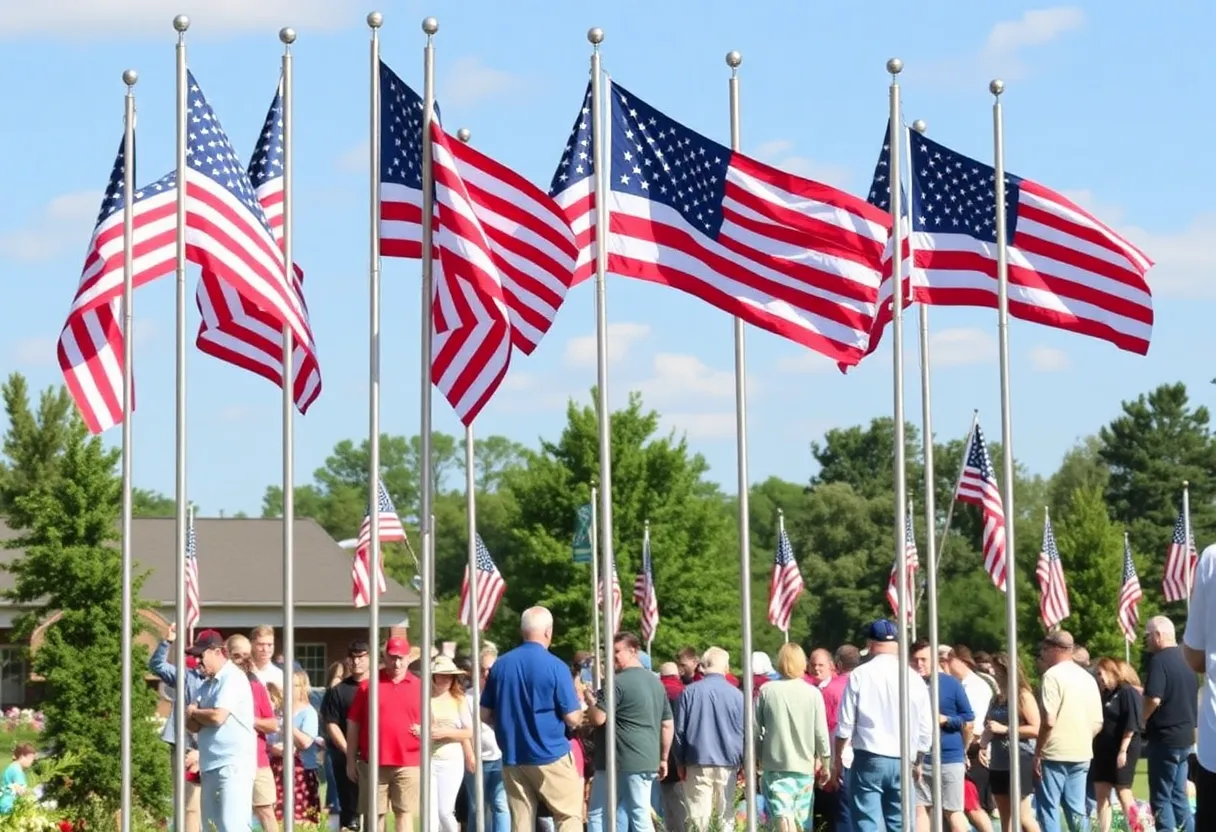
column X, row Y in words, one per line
column 530, row 700
column 1171, row 701
column 709, row 742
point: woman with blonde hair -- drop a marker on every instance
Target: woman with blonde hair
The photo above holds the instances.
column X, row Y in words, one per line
column 304, row 730
column 1117, row 745
column 452, row 734
column 792, row 725
column 996, row 747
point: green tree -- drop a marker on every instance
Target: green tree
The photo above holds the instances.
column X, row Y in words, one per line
column 34, row 442
column 146, row 503
column 1082, row 467
column 493, row 457
column 71, row 567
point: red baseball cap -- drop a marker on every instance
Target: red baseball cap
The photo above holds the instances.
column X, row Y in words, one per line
column 398, row 646
column 204, row 641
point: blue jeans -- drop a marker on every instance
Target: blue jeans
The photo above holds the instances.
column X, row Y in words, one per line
column 1062, row 786
column 1167, row 788
column 496, row 798
column 331, row 787
column 873, row 793
column 226, row 797
column 633, row 795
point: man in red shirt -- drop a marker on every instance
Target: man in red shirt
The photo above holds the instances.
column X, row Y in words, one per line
column 400, row 746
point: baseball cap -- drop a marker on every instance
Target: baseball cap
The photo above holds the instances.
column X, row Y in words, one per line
column 1060, row 639
column 882, row 630
column 398, row 646
column 204, row 641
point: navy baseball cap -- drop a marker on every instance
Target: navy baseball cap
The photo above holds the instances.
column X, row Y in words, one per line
column 882, row 630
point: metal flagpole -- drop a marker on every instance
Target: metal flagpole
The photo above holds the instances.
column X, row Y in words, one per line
column 596, row 647
column 599, row 141
column 649, row 577
column 894, row 67
column 785, row 634
column 733, row 60
column 287, row 36
column 996, row 87
column 181, row 23
column 470, row 497
column 429, row 26
column 912, row 586
column 130, row 77
column 1186, row 530
column 371, row 816
column 926, row 404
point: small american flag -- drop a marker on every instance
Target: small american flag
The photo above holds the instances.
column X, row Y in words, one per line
column 913, row 565
column 490, row 588
column 1180, row 563
column 390, row 530
column 237, row 331
column 1053, row 591
column 785, row 585
column 194, row 606
column 616, row 600
column 977, row 486
column 1130, row 594
column 643, row 592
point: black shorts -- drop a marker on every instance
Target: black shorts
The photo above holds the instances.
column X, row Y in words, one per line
column 999, row 781
column 1104, row 770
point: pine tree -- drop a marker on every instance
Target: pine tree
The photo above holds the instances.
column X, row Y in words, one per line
column 71, row 567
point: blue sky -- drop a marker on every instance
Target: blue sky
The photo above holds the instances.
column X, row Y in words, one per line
column 1103, row 101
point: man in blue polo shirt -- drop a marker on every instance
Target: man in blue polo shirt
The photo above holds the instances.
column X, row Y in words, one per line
column 956, row 721
column 530, row 700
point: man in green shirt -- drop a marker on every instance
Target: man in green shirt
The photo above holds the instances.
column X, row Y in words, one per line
column 644, row 730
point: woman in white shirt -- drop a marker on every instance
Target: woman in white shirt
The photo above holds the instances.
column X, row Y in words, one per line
column 452, row 734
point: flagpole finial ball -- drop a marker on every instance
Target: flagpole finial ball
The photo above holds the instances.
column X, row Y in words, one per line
column 596, row 35
column 1185, row 484
column 464, row 134
column 287, row 35
column 895, row 66
column 129, row 77
column 734, row 59
column 920, row 126
column 375, row 20
column 996, row 86
column 181, row 23
column 430, row 25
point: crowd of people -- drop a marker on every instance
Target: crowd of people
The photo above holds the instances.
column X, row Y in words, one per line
column 827, row 736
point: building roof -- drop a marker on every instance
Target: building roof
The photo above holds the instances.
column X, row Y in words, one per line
column 240, row 563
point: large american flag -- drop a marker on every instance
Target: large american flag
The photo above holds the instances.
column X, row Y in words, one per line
column 1180, row 563
column 90, row 348
column 785, row 583
column 783, row 253
column 573, row 188
column 913, row 560
column 390, row 530
column 1053, row 591
column 977, row 486
column 194, row 604
column 490, row 588
column 616, row 600
column 238, row 331
column 1130, row 594
column 1067, row 269
column 643, row 592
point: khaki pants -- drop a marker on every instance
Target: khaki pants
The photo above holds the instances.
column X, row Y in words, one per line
column 558, row 784
column 709, row 791
column 397, row 785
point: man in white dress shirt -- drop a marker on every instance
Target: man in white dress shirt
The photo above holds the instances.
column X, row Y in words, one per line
column 1199, row 649
column 869, row 721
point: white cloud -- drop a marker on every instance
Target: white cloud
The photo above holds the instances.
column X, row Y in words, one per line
column 36, row 351
column 806, row 361
column 1049, row 359
column 63, row 226
column 580, row 351
column 1004, row 53
column 958, row 347
column 153, row 18
column 701, row 426
column 677, row 377
column 779, row 153
column 468, row 81
column 356, row 159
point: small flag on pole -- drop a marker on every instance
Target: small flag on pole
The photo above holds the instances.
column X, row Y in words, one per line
column 1180, row 559
column 390, row 530
column 977, row 486
column 913, row 565
column 1130, row 594
column 1053, row 591
column 194, row 606
column 616, row 600
column 490, row 588
column 643, row 591
column 785, row 584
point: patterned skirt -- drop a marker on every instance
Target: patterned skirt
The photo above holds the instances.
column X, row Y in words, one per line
column 307, row 792
column 789, row 794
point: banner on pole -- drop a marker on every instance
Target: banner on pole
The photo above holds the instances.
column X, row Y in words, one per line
column 582, row 534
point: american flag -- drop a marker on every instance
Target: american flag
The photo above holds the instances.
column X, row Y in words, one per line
column 573, row 188
column 616, row 600
column 194, row 605
column 90, row 348
column 238, row 331
column 977, row 486
column 1180, row 563
column 643, row 592
column 783, row 253
column 490, row 588
column 1130, row 594
column 1067, row 269
column 390, row 530
column 785, row 584
column 1053, row 591
column 913, row 565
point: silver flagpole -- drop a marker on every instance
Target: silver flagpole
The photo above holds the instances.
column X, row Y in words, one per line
column 785, row 633
column 596, row 647
column 479, row 785
column 599, row 141
column 733, row 60
column 181, row 23
column 429, row 26
column 130, row 77
column 371, row 809
column 996, row 87
column 895, row 66
column 912, row 585
column 1186, row 530
column 926, row 403
column 287, row 36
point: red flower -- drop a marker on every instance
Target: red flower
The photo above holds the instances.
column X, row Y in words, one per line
column 65, row 825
